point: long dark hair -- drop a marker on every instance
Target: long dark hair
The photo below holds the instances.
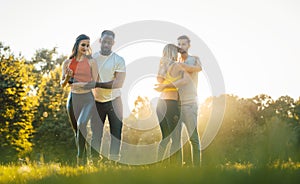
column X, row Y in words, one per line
column 76, row 45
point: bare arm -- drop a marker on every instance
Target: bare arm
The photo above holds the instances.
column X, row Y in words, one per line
column 182, row 81
column 192, row 68
column 162, row 70
column 66, row 73
column 177, row 70
column 94, row 69
column 116, row 83
column 160, row 79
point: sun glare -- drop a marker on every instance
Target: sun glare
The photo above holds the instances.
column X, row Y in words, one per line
column 144, row 88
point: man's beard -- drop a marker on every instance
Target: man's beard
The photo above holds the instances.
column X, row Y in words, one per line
column 105, row 52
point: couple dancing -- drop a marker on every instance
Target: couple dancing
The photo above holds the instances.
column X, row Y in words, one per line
column 108, row 70
column 177, row 105
column 86, row 104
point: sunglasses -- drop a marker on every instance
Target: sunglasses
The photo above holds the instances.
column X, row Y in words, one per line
column 83, row 45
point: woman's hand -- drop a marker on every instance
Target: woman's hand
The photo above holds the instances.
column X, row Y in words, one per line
column 160, row 87
column 69, row 72
column 66, row 77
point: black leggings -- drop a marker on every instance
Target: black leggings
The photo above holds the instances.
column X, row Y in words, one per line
column 168, row 115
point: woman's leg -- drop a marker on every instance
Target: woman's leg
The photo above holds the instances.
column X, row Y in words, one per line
column 82, row 104
column 173, row 117
column 161, row 110
column 97, row 133
column 71, row 115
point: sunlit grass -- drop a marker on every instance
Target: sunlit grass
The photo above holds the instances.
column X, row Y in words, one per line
column 290, row 164
column 237, row 166
column 23, row 173
column 231, row 172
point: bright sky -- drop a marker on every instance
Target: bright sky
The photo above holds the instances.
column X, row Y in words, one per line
column 256, row 43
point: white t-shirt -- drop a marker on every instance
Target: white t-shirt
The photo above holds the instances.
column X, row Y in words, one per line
column 107, row 66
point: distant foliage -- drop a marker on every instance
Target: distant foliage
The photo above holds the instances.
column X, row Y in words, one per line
column 18, row 104
column 257, row 130
column 53, row 139
column 34, row 122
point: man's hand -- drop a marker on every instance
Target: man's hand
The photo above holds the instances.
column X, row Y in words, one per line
column 90, row 85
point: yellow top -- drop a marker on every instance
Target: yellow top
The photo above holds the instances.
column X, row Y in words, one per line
column 169, row 79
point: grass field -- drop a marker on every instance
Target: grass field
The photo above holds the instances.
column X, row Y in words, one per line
column 278, row 172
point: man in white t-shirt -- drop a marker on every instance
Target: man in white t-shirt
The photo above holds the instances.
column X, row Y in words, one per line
column 107, row 92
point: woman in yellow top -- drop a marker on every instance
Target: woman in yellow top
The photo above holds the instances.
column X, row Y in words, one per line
column 167, row 108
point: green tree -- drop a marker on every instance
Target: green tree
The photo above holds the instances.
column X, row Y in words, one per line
column 46, row 60
column 235, row 138
column 259, row 130
column 53, row 137
column 18, row 104
column 280, row 130
column 297, row 120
